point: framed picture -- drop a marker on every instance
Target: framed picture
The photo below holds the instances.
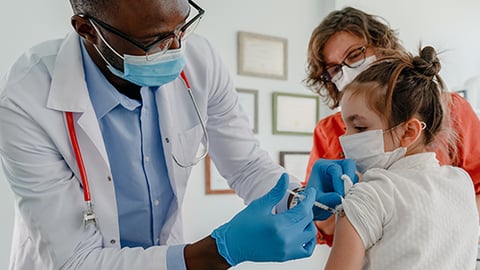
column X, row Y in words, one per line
column 262, row 56
column 248, row 99
column 462, row 93
column 295, row 163
column 294, row 114
column 214, row 182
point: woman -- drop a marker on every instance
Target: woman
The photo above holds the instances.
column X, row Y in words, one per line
column 343, row 45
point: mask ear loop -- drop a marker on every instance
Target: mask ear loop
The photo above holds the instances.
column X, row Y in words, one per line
column 392, row 128
column 423, row 124
column 104, row 41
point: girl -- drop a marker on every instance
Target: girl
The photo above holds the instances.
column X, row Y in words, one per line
column 408, row 212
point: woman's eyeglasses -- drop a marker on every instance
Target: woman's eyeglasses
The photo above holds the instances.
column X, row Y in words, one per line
column 354, row 59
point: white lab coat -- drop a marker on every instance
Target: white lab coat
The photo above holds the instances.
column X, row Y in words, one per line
column 39, row 163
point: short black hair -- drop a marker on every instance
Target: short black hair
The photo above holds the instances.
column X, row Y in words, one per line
column 94, row 8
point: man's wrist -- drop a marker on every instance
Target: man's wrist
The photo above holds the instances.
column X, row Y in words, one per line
column 204, row 255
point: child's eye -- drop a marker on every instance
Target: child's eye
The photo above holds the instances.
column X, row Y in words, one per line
column 360, row 129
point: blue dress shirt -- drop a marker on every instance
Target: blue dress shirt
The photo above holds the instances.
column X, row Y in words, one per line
column 131, row 133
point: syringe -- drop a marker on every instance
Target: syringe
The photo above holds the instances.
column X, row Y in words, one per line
column 317, row 204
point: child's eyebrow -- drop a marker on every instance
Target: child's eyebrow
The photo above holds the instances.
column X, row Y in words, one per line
column 355, row 117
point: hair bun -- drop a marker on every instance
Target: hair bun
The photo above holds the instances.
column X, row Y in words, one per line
column 427, row 63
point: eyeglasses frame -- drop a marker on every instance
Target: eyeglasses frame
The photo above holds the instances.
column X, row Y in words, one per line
column 326, row 77
column 148, row 47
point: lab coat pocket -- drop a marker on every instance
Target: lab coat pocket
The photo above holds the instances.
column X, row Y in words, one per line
column 188, row 147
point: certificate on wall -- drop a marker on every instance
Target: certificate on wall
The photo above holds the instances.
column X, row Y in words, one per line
column 248, row 99
column 262, row 56
column 214, row 182
column 295, row 162
column 294, row 114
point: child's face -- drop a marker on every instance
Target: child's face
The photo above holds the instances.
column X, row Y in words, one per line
column 358, row 117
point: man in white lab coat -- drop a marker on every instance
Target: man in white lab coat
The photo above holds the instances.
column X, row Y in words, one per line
column 117, row 81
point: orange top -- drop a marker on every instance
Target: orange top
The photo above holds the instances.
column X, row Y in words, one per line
column 465, row 123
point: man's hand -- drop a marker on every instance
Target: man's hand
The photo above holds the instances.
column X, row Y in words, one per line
column 256, row 234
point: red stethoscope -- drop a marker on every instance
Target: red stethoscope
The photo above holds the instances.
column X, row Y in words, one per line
column 89, row 214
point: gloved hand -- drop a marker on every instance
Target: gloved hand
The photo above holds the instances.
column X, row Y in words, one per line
column 256, row 234
column 326, row 179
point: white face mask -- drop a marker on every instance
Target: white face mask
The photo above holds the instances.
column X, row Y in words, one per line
column 350, row 73
column 367, row 149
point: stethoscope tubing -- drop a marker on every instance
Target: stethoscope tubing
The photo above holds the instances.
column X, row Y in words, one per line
column 78, row 156
column 89, row 215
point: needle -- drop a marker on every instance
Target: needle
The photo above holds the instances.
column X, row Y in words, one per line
column 317, row 204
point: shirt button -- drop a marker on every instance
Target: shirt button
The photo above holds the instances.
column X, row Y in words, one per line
column 109, row 178
column 147, row 158
column 156, row 202
column 112, row 241
column 167, row 140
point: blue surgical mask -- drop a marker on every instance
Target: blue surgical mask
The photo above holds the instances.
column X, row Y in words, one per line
column 163, row 69
column 154, row 69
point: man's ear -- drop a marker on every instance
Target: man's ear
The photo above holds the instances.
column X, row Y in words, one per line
column 84, row 28
column 411, row 133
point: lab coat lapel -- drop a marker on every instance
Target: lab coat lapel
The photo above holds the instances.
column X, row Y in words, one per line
column 164, row 105
column 69, row 92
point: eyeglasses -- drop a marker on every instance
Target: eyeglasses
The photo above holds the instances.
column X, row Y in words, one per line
column 354, row 59
column 163, row 42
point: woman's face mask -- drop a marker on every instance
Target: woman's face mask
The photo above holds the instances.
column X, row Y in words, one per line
column 367, row 149
column 347, row 75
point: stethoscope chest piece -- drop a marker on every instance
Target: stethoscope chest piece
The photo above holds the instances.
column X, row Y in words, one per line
column 89, row 215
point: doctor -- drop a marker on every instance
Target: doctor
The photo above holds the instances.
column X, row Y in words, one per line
column 98, row 134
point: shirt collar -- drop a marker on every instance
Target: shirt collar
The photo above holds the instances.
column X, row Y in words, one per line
column 103, row 95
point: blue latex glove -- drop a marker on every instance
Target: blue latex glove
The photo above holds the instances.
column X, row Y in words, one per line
column 256, row 234
column 325, row 178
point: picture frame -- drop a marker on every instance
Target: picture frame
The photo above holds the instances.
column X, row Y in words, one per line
column 295, row 162
column 262, row 56
column 214, row 182
column 294, row 114
column 248, row 99
column 462, row 93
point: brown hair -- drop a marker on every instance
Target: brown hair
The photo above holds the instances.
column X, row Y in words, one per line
column 373, row 29
column 404, row 86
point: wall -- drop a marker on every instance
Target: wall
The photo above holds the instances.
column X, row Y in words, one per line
column 270, row 17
